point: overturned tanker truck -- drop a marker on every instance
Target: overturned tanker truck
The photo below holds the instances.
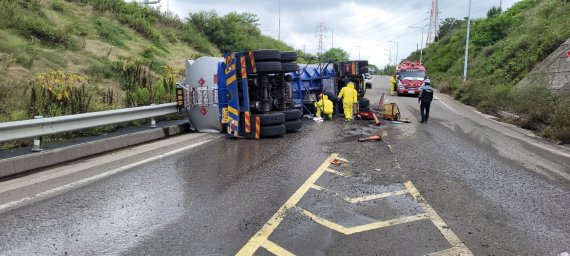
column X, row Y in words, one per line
column 257, row 94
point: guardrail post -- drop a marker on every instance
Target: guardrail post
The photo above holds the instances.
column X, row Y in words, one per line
column 152, row 120
column 37, row 140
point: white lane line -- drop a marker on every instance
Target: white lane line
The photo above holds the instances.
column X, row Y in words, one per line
column 53, row 191
column 445, row 104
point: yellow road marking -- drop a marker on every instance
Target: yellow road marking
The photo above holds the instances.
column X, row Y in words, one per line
column 364, row 198
column 276, row 249
column 352, row 230
column 374, row 197
column 261, row 236
column 436, row 220
column 317, row 187
column 337, row 172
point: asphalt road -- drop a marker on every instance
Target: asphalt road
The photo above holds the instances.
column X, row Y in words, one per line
column 461, row 184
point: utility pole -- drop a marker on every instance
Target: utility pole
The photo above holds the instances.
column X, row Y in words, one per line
column 433, row 22
column 321, row 31
column 397, row 49
column 332, row 38
column 422, row 43
column 390, row 56
column 501, row 5
column 467, row 44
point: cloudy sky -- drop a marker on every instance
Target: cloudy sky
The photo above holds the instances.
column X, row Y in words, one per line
column 369, row 24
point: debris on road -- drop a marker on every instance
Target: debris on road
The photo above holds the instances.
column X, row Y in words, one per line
column 371, row 138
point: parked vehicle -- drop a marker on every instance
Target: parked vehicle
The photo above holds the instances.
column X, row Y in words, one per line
column 410, row 78
column 368, row 80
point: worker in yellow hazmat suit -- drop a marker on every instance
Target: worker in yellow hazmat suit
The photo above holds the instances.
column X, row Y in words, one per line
column 348, row 95
column 392, row 85
column 324, row 106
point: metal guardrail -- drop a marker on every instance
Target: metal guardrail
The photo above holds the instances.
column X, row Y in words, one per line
column 36, row 128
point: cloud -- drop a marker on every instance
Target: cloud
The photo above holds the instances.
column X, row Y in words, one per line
column 369, row 24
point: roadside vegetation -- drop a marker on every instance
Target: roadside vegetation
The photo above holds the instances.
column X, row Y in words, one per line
column 61, row 57
column 504, row 48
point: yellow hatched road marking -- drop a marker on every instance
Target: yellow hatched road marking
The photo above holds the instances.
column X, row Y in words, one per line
column 337, row 172
column 374, row 197
column 364, row 198
column 437, row 221
column 263, row 234
column 276, row 249
column 353, row 230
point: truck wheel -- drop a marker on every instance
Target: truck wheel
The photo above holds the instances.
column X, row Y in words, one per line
column 369, row 85
column 268, row 67
column 363, row 70
column 292, row 126
column 288, row 56
column 363, row 103
column 269, row 119
column 292, row 114
column 266, row 55
column 289, row 67
column 363, row 63
column 272, row 131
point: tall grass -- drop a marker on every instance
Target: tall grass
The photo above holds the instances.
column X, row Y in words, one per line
column 504, row 48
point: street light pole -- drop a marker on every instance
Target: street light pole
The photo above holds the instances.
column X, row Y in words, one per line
column 467, row 44
column 358, row 51
column 389, row 59
column 397, row 50
column 422, row 43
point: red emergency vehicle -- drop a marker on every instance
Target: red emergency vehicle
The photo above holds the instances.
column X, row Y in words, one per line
column 410, row 78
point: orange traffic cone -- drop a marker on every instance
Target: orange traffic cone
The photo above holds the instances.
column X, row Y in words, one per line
column 381, row 102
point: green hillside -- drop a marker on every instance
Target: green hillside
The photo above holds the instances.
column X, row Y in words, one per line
column 71, row 56
column 504, row 47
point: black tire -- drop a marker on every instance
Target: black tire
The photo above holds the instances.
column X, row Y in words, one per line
column 363, row 63
column 268, row 67
column 294, row 125
column 363, row 103
column 266, row 55
column 289, row 67
column 270, row 118
column 369, row 85
column 292, row 114
column 272, row 130
column 363, row 70
column 365, row 109
column 288, row 56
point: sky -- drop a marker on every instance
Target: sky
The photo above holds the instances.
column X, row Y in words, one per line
column 361, row 27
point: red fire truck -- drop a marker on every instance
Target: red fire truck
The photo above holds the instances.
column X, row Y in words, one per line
column 410, row 78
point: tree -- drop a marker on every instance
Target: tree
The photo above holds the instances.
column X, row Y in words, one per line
column 335, row 55
column 447, row 26
column 494, row 11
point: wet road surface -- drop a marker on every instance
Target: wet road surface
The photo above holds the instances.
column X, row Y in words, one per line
column 460, row 184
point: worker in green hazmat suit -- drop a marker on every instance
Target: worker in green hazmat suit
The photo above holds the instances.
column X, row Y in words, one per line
column 348, row 95
column 324, row 106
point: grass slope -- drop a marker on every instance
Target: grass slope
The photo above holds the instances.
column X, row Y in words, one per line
column 504, row 47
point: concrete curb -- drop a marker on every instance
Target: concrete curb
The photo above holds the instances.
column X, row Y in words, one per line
column 20, row 164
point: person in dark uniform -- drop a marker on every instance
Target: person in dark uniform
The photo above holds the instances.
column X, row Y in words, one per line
column 426, row 96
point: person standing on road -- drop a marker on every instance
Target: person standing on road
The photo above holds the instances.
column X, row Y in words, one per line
column 324, row 106
column 349, row 98
column 426, row 96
